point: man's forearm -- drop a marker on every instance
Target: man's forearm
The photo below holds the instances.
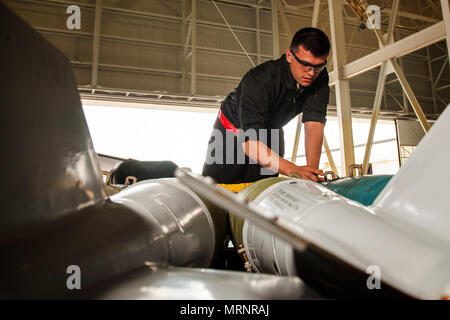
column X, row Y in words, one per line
column 267, row 158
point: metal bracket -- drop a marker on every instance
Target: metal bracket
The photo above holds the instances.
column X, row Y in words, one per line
column 334, row 176
column 108, row 176
column 130, row 178
column 355, row 166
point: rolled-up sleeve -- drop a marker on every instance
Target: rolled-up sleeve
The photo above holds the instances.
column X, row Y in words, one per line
column 315, row 106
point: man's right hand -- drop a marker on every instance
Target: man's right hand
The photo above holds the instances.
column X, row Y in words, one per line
column 308, row 173
column 266, row 158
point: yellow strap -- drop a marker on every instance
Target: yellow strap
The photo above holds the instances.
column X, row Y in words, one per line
column 236, row 187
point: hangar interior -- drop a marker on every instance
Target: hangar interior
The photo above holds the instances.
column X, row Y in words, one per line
column 188, row 55
column 193, row 53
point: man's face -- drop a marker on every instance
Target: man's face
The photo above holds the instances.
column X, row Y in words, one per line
column 305, row 74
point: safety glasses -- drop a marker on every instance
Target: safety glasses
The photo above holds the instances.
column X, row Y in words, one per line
column 309, row 66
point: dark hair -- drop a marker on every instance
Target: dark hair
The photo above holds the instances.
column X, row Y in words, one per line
column 312, row 39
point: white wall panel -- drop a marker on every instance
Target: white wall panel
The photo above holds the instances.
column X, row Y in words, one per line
column 139, row 81
column 129, row 54
column 235, row 15
column 220, row 38
column 210, row 87
column 138, row 27
column 219, row 64
column 77, row 48
column 166, row 7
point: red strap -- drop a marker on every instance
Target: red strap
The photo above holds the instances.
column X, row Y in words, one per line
column 227, row 124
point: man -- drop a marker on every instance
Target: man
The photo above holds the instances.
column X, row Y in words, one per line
column 251, row 117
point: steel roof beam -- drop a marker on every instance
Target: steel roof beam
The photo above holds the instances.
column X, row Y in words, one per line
column 397, row 49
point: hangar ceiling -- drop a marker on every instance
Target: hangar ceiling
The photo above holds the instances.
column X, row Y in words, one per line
column 147, row 50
